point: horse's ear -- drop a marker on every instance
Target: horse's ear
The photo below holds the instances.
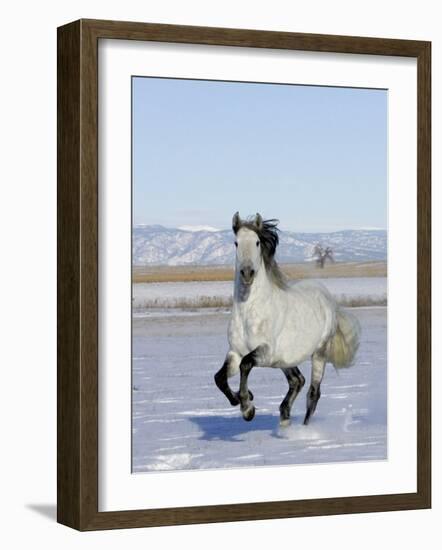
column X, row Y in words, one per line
column 258, row 221
column 236, row 222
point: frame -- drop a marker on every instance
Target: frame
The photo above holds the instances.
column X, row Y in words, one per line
column 77, row 310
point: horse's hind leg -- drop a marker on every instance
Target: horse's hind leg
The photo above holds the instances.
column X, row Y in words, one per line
column 314, row 392
column 296, row 382
column 229, row 368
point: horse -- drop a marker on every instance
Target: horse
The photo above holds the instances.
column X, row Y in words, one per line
column 280, row 325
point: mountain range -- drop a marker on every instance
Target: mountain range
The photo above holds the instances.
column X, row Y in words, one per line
column 158, row 245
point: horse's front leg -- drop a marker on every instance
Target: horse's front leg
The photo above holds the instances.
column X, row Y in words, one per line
column 257, row 357
column 229, row 368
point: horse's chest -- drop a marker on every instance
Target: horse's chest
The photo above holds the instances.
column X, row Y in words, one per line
column 255, row 322
column 250, row 328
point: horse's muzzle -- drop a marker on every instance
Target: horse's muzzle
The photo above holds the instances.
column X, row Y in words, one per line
column 247, row 274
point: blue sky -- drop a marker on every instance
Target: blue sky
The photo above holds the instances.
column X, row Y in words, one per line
column 313, row 157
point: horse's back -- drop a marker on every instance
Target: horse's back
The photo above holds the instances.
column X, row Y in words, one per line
column 313, row 291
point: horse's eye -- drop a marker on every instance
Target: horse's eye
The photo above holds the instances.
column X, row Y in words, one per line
column 257, row 243
column 236, row 244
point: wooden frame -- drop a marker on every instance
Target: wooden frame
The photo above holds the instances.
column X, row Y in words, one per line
column 77, row 459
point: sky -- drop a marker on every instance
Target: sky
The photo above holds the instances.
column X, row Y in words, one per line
column 313, row 157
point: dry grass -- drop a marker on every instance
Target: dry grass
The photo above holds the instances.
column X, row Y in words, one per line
column 163, row 274
column 217, row 302
column 188, row 303
column 362, row 301
column 167, row 274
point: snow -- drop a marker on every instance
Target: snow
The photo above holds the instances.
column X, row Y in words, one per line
column 195, row 294
column 182, row 422
column 196, row 228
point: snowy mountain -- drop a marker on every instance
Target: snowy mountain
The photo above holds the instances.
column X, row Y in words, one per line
column 158, row 245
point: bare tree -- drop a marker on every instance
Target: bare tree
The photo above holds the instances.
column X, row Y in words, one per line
column 322, row 254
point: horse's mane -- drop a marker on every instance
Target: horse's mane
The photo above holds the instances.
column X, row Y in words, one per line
column 267, row 231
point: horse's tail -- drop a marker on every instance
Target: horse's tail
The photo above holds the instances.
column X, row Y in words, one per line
column 342, row 348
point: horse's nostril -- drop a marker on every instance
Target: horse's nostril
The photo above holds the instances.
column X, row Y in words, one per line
column 242, row 272
column 252, row 272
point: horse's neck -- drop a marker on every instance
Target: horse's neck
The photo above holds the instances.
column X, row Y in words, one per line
column 261, row 288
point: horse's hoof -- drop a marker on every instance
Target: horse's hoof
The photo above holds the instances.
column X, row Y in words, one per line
column 284, row 422
column 234, row 400
column 249, row 413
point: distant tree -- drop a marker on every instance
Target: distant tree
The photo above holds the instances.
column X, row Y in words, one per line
column 322, row 254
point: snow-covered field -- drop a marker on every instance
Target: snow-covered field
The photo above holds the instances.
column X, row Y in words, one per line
column 347, row 290
column 182, row 421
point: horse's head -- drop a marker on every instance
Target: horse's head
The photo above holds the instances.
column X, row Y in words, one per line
column 248, row 247
column 256, row 241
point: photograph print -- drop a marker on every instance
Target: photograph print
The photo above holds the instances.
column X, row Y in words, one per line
column 259, row 274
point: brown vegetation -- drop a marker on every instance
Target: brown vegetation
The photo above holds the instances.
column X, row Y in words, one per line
column 163, row 274
column 218, row 302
